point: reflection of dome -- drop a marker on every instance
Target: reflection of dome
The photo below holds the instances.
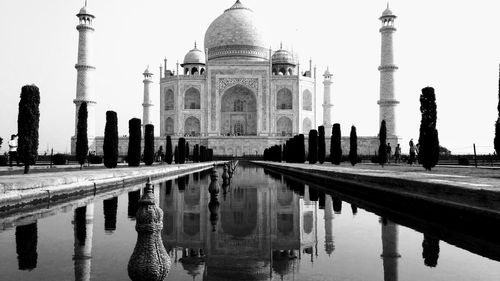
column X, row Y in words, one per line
column 195, row 56
column 193, row 266
column 235, row 33
column 283, row 261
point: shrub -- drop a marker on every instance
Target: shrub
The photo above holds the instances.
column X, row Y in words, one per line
column 110, row 147
column 82, row 141
column 321, row 144
column 3, row 160
column 463, row 161
column 134, row 142
column 353, row 150
column 95, row 159
column 27, row 125
column 168, row 151
column 149, row 144
column 313, row 147
column 428, row 153
column 60, row 159
column 335, row 147
column 382, row 149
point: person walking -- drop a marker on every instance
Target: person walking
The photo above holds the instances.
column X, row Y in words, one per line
column 397, row 154
column 411, row 159
column 13, row 150
column 389, row 151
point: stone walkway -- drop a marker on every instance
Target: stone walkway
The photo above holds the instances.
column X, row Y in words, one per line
column 21, row 188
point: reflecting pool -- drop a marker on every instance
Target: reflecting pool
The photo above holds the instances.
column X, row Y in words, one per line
column 260, row 226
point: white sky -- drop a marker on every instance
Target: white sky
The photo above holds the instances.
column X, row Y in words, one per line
column 450, row 45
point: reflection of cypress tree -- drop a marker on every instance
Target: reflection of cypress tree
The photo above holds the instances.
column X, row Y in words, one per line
column 186, row 179
column 321, row 200
column 337, row 205
column 109, row 207
column 430, row 251
column 196, row 177
column 26, row 245
column 354, row 209
column 313, row 194
column 81, row 225
column 181, row 183
column 168, row 187
column 133, row 203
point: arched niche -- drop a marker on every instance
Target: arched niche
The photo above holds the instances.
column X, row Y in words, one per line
column 169, row 99
column 307, row 100
column 192, row 126
column 192, row 99
column 284, row 99
column 284, row 126
column 169, row 126
column 306, row 125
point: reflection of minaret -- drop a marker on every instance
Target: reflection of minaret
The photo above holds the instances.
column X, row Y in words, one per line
column 109, row 208
column 390, row 255
column 329, row 247
column 26, row 245
column 83, row 224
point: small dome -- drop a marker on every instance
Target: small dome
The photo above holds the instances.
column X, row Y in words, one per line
column 387, row 12
column 84, row 11
column 195, row 56
column 327, row 72
column 282, row 57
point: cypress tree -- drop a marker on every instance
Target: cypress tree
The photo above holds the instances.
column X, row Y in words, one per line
column 82, row 141
column 149, row 144
column 321, row 145
column 181, row 149
column 196, row 151
column 313, row 147
column 301, row 149
column 429, row 141
column 187, row 151
column 134, row 142
column 168, row 151
column 27, row 125
column 353, row 151
column 202, row 153
column 336, row 145
column 382, row 149
column 176, row 155
column 110, row 147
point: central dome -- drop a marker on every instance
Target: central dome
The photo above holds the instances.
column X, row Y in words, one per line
column 236, row 34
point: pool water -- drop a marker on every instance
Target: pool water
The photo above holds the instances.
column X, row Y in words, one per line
column 261, row 226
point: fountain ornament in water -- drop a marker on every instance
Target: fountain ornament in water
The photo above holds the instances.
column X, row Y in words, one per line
column 150, row 260
column 214, row 188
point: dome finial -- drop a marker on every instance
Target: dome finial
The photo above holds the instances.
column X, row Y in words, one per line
column 195, row 44
column 85, row 3
column 281, row 45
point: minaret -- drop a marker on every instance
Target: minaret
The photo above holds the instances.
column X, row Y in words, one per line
column 147, row 104
column 328, row 216
column 85, row 91
column 387, row 68
column 390, row 255
column 327, row 103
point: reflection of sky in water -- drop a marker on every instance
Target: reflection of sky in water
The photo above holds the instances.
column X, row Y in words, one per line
column 266, row 228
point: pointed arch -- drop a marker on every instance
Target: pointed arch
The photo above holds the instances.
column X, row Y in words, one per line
column 192, row 99
column 169, row 99
column 284, row 126
column 284, row 99
column 307, row 100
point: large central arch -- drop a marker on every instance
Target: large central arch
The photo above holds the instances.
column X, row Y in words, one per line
column 238, row 111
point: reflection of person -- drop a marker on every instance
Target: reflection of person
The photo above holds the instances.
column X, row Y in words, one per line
column 411, row 159
column 13, row 150
column 397, row 153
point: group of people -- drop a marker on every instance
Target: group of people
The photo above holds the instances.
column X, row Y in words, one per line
column 412, row 158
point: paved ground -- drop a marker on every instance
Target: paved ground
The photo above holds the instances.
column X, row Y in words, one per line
column 484, row 178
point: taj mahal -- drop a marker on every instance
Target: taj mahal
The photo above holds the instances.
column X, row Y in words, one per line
column 235, row 94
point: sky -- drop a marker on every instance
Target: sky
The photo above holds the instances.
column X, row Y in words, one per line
column 449, row 45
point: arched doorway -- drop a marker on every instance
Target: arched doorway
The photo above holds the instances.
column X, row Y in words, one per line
column 238, row 111
column 306, row 125
column 192, row 127
column 284, row 126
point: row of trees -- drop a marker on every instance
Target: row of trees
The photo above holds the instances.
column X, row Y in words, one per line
column 294, row 149
column 110, row 148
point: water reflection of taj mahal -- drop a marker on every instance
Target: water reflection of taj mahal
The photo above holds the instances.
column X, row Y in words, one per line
column 262, row 228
